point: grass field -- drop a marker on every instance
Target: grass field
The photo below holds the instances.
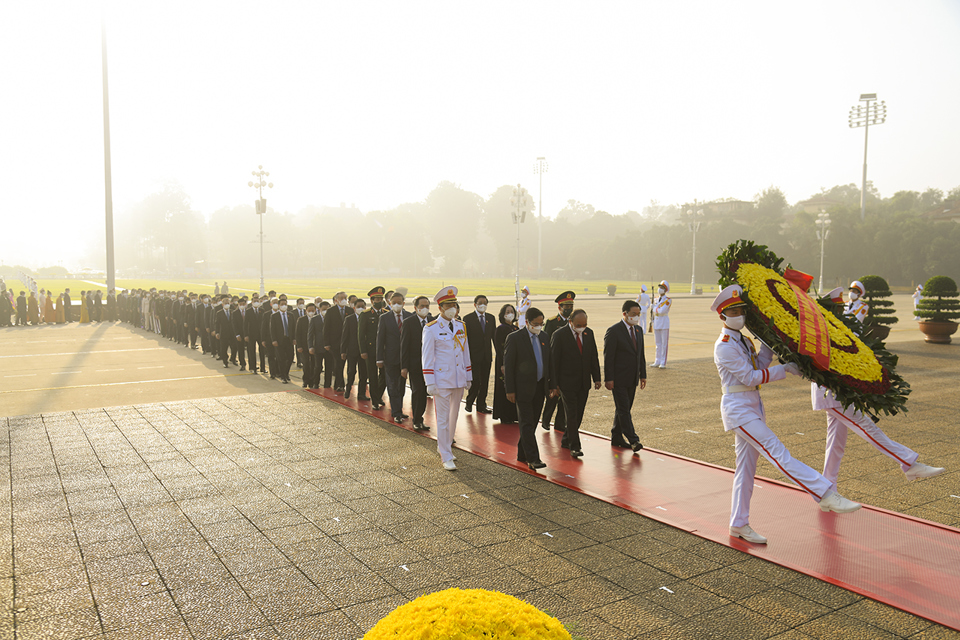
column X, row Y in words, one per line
column 327, row 287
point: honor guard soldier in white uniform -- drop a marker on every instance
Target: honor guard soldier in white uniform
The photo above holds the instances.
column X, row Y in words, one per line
column 446, row 370
column 644, row 301
column 523, row 306
column 742, row 370
column 916, row 297
column 857, row 308
column 840, row 419
column 661, row 323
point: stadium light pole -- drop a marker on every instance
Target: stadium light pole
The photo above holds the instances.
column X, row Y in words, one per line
column 823, row 230
column 694, row 225
column 260, row 176
column 869, row 113
column 540, row 168
column 519, row 212
column 108, row 174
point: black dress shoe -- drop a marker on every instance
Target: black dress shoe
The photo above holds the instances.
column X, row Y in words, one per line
column 576, row 453
column 346, row 394
column 376, row 406
column 273, row 377
column 226, row 366
column 484, row 410
column 363, row 398
column 545, row 425
column 636, row 446
column 536, row 465
column 469, row 408
column 305, row 385
column 398, row 419
column 242, row 368
column 623, row 444
column 404, row 416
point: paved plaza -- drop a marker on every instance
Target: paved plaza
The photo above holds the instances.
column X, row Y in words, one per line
column 196, row 505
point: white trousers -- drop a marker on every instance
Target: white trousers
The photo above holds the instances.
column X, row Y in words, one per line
column 753, row 440
column 662, row 338
column 837, row 424
column 446, row 403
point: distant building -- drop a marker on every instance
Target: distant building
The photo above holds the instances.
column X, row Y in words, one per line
column 947, row 211
column 817, row 204
column 730, row 210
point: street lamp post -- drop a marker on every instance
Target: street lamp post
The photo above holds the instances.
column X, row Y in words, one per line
column 864, row 115
column 260, row 177
column 694, row 225
column 823, row 230
column 519, row 213
column 540, row 168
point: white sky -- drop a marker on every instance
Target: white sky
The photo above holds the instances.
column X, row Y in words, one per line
column 374, row 103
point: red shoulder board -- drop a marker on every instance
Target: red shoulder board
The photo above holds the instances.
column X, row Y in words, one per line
column 725, row 338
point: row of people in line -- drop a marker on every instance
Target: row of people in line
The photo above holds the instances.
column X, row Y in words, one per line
column 30, row 308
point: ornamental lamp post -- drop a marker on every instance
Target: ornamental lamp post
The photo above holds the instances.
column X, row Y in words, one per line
column 693, row 224
column 540, row 168
column 258, row 183
column 823, row 230
column 519, row 203
column 869, row 113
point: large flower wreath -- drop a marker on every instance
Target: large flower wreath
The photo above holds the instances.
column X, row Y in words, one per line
column 465, row 614
column 860, row 372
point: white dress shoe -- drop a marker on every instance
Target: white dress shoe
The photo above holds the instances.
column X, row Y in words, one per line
column 747, row 534
column 449, row 465
column 835, row 502
column 919, row 470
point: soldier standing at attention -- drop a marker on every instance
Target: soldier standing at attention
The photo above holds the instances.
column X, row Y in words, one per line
column 523, row 306
column 742, row 370
column 367, row 325
column 446, row 370
column 856, row 308
column 552, row 403
column 661, row 323
column 644, row 301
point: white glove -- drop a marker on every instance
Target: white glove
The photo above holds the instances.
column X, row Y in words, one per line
column 431, row 389
column 792, row 369
column 468, row 386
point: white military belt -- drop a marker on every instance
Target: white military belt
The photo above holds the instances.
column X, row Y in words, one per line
column 738, row 388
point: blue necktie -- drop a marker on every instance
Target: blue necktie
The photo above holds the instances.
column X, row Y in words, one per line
column 539, row 356
column 483, row 323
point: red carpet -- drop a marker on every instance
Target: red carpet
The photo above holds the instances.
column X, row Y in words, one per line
column 905, row 562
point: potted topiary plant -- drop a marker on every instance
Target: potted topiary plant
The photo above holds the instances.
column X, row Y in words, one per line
column 882, row 313
column 611, row 289
column 938, row 309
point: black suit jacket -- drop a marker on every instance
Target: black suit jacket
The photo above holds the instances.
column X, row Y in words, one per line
column 388, row 338
column 265, row 317
column 349, row 344
column 315, row 334
column 239, row 321
column 22, row 304
column 480, row 338
column 520, row 364
column 303, row 328
column 251, row 324
column 411, row 343
column 573, row 371
column 623, row 363
column 225, row 325
column 333, row 327
column 276, row 326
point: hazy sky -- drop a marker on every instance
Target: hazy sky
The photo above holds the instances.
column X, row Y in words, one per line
column 374, row 103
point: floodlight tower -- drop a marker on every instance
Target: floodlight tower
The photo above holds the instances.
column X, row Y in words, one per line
column 823, row 230
column 693, row 223
column 260, row 176
column 864, row 115
column 519, row 202
column 540, row 168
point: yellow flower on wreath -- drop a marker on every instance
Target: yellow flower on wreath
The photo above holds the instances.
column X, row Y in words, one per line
column 756, row 281
column 465, row 614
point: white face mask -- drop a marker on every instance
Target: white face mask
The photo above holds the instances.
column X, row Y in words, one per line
column 509, row 317
column 661, row 291
column 736, row 322
column 300, row 306
column 633, row 320
column 579, row 329
column 396, row 307
column 310, row 314
column 256, row 305
column 359, row 310
column 535, row 328
column 482, row 308
column 343, row 302
column 283, row 307
column 275, row 306
column 854, row 296
column 243, row 307
column 450, row 313
column 423, row 311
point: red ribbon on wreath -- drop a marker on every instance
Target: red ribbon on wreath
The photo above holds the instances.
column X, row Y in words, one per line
column 814, row 333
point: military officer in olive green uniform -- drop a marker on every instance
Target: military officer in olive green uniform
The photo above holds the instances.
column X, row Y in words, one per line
column 367, row 325
column 565, row 304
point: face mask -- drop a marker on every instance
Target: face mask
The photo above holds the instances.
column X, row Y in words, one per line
column 736, row 323
column 482, row 308
column 579, row 329
column 283, row 307
column 633, row 320
column 256, row 305
column 854, row 296
column 310, row 314
column 661, row 291
column 206, row 301
column 423, row 311
column 193, row 301
column 396, row 307
column 566, row 311
column 301, row 306
column 243, row 307
column 378, row 305
column 342, row 303
column 450, row 313
column 359, row 310
column 509, row 317
column 275, row 306
column 535, row 329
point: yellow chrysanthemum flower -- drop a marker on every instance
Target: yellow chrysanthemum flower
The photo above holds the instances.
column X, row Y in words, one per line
column 465, row 614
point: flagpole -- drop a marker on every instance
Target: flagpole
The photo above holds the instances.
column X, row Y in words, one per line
column 108, row 179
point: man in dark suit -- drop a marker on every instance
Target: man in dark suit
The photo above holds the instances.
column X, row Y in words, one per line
column 225, row 332
column 302, row 341
column 526, row 379
column 480, row 327
column 315, row 349
column 67, row 306
column 624, row 369
column 251, row 333
column 211, row 319
column 350, row 353
column 332, row 333
column 565, row 306
column 239, row 322
column 22, row 309
column 266, row 342
column 367, row 325
column 282, row 329
column 300, row 311
column 575, row 361
column 411, row 360
column 202, row 327
column 388, row 354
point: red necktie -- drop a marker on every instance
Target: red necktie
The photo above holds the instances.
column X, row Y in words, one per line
column 579, row 343
column 399, row 324
column 633, row 334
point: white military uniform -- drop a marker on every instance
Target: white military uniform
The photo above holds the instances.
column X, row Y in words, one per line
column 916, row 297
column 644, row 301
column 446, row 366
column 661, row 326
column 522, row 309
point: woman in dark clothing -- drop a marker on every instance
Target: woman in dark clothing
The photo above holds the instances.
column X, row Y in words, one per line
column 503, row 410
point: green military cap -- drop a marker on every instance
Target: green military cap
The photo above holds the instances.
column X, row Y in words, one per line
column 566, row 296
column 376, row 291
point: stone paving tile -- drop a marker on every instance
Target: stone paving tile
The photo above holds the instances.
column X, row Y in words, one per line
column 281, row 516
